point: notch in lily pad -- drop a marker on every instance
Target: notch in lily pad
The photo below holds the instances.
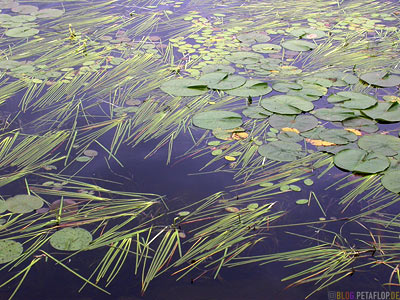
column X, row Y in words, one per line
column 71, row 239
column 217, row 119
column 184, row 87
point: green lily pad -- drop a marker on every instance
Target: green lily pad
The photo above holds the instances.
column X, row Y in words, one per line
column 300, row 122
column 308, row 182
column 338, row 78
column 222, row 81
column 298, row 45
column 49, row 13
column 9, row 64
column 25, row 9
column 253, row 37
column 214, row 119
column 302, row 201
column 381, row 79
column 83, row 158
column 281, row 151
column 360, row 123
column 252, row 206
column 252, row 88
column 285, row 87
column 184, row 87
column 266, row 48
column 324, row 82
column 71, row 239
column 286, row 105
column 244, row 58
column 23, row 203
column 289, row 136
column 308, row 33
column 256, row 112
column 384, row 111
column 334, row 114
column 387, row 145
column 218, row 68
column 338, row 136
column 391, row 181
column 21, row 32
column 9, row 250
column 352, row 100
column 360, row 161
column 3, row 206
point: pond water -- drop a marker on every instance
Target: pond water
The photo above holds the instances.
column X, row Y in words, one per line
column 161, row 149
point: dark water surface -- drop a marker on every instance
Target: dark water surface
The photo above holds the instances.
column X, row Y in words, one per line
column 86, row 75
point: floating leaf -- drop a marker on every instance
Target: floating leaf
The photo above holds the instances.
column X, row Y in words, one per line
column 83, row 158
column 183, row 213
column 353, row 100
column 289, row 136
column 338, row 136
column 266, row 48
column 184, row 87
column 281, row 151
column 252, row 206
column 308, row 181
column 256, row 112
column 214, row 119
column 286, row 105
column 381, row 79
column 218, row 68
column 302, row 201
column 222, row 81
column 229, row 158
column 9, row 250
column 3, row 206
column 90, row 153
column 71, row 239
column 308, row 33
column 387, row 145
column 49, row 13
column 391, row 181
column 23, row 203
column 334, row 114
column 361, row 123
column 300, row 122
column 360, row 161
column 252, row 88
column 384, row 111
column 244, row 58
column 253, row 37
column 21, row 32
column 298, row 45
column 285, row 87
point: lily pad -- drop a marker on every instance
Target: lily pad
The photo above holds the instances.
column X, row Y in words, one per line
column 384, row 111
column 21, row 32
column 214, row 119
column 23, row 203
column 184, row 87
column 298, row 45
column 9, row 64
column 266, row 48
column 289, row 136
column 71, row 239
column 9, row 250
column 300, row 122
column 49, row 13
column 285, row 87
column 391, row 181
column 286, row 105
column 387, row 145
column 308, row 33
column 253, row 37
column 252, row 88
column 222, row 80
column 360, row 123
column 218, row 68
column 3, row 206
column 381, row 79
column 334, row 114
column 281, row 151
column 244, row 58
column 352, row 100
column 360, row 161
column 256, row 112
column 338, row 78
column 338, row 136
column 302, row 201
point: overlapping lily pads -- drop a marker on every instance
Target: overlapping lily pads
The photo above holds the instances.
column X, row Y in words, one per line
column 383, row 144
column 286, row 105
column 353, row 100
column 256, row 112
column 384, row 111
column 381, row 79
column 281, row 151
